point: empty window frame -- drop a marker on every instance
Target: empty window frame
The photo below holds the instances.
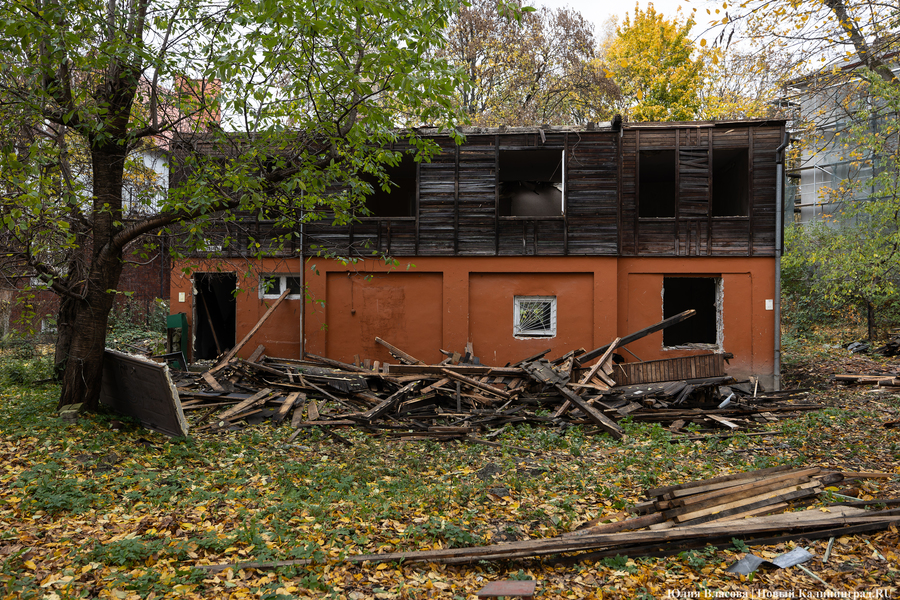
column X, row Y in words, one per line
column 272, row 285
column 730, row 182
column 703, row 294
column 399, row 199
column 532, row 182
column 534, row 317
column 656, row 183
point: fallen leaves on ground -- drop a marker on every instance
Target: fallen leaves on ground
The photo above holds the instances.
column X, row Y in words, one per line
column 88, row 511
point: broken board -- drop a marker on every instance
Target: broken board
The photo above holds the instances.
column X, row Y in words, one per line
column 142, row 389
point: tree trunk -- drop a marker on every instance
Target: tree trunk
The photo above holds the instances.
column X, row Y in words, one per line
column 80, row 348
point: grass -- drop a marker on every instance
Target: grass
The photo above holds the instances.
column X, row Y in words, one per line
column 88, row 511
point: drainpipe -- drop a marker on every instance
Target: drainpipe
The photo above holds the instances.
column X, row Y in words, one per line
column 302, row 280
column 779, row 241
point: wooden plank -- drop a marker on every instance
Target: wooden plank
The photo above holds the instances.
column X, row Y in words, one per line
column 639, row 334
column 286, row 405
column 297, row 417
column 730, row 424
column 754, row 487
column 312, row 411
column 470, row 370
column 399, row 354
column 387, row 403
column 257, row 354
column 477, row 384
column 601, row 420
column 337, row 364
column 231, row 353
column 726, row 485
column 769, row 497
column 215, row 385
column 257, row 398
column 660, row 491
column 434, row 386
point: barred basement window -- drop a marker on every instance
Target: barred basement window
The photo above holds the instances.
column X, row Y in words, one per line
column 272, row 286
column 535, row 316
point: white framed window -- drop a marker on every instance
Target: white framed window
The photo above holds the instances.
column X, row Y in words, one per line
column 272, row 285
column 534, row 317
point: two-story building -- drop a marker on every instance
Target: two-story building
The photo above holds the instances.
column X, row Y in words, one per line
column 523, row 239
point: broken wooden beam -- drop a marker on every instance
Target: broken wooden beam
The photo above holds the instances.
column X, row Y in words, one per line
column 639, row 334
column 399, row 354
column 231, row 353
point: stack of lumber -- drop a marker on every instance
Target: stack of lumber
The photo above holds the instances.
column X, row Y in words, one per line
column 460, row 397
column 681, row 517
column 724, row 498
column 886, row 379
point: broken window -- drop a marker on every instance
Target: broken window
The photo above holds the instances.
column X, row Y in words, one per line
column 273, row 285
column 702, row 294
column 531, row 183
column 535, row 316
column 399, row 199
column 730, row 184
column 656, row 183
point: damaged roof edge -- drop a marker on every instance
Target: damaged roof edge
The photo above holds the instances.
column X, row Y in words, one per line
column 601, row 126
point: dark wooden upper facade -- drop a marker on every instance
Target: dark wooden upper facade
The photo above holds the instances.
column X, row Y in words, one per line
column 660, row 189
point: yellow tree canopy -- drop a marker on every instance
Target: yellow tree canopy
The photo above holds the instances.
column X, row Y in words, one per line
column 656, row 66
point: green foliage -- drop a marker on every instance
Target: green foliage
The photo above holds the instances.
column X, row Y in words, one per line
column 132, row 323
column 291, row 101
column 657, row 67
column 697, row 559
column 853, row 258
column 47, row 488
column 18, row 371
column 133, row 551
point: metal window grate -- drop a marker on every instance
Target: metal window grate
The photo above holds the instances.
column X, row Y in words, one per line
column 535, row 316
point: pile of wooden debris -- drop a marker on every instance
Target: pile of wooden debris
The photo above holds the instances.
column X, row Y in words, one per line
column 460, row 397
column 747, row 506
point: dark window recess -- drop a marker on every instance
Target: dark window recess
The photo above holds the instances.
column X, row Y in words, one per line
column 274, row 285
column 400, row 199
column 656, row 185
column 731, row 183
column 684, row 293
column 531, row 183
column 215, row 310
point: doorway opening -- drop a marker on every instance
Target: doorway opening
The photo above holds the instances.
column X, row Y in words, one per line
column 215, row 313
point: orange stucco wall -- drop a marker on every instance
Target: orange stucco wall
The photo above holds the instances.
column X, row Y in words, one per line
column 427, row 304
column 748, row 327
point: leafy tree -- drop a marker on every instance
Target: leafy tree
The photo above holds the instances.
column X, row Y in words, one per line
column 859, row 262
column 744, row 83
column 309, row 92
column 823, row 35
column 657, row 67
column 542, row 68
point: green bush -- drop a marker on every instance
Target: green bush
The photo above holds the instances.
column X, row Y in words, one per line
column 19, row 371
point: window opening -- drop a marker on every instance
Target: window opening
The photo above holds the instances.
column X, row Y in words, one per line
column 731, row 183
column 273, row 285
column 399, row 200
column 532, row 183
column 535, row 316
column 702, row 294
column 656, row 184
